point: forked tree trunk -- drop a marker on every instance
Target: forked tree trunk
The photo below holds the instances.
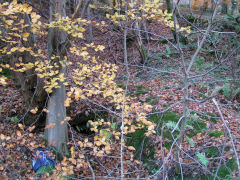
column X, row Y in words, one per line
column 57, row 46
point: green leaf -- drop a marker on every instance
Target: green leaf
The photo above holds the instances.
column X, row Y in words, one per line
column 216, row 134
column 191, row 142
column 226, row 90
column 114, row 125
column 189, row 127
column 204, row 161
column 172, row 125
column 168, row 50
column 194, row 117
column 14, row 120
column 45, row 169
column 109, row 135
column 236, row 92
column 70, row 177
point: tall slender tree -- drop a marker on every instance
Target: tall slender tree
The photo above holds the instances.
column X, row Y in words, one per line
column 57, row 47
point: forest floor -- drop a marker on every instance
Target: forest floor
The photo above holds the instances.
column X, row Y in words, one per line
column 163, row 91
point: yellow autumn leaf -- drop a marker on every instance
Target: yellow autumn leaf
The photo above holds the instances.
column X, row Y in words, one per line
column 21, row 126
column 19, row 133
column 2, row 137
column 45, row 110
column 80, row 143
column 61, row 77
column 81, row 29
column 72, row 149
column 25, row 35
column 1, row 168
column 100, row 47
column 14, row 49
column 9, row 22
column 67, row 102
column 130, row 5
column 3, row 81
column 73, row 161
column 22, row 49
column 41, row 75
column 84, row 53
column 29, row 9
column 98, row 143
column 99, row 153
column 131, row 148
column 68, row 118
column 34, row 111
column 64, row 163
column 30, row 129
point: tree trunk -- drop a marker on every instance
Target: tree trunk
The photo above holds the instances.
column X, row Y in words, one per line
column 224, row 7
column 125, row 31
column 57, row 45
column 34, row 95
column 31, row 87
column 71, row 5
column 58, row 135
column 90, row 31
column 169, row 6
column 190, row 7
column 234, row 9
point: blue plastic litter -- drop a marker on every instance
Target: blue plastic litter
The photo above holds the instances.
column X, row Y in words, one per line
column 42, row 157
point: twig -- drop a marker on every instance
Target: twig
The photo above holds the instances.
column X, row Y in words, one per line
column 85, row 8
column 123, row 111
column 77, row 9
column 177, row 124
column 229, row 133
column 203, row 39
column 90, row 167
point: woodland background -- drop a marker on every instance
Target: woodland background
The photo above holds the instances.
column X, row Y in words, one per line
column 138, row 89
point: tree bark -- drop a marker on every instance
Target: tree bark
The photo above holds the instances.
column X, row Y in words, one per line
column 224, row 7
column 90, row 31
column 30, row 86
column 71, row 5
column 169, row 6
column 190, row 7
column 57, row 46
column 234, row 9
